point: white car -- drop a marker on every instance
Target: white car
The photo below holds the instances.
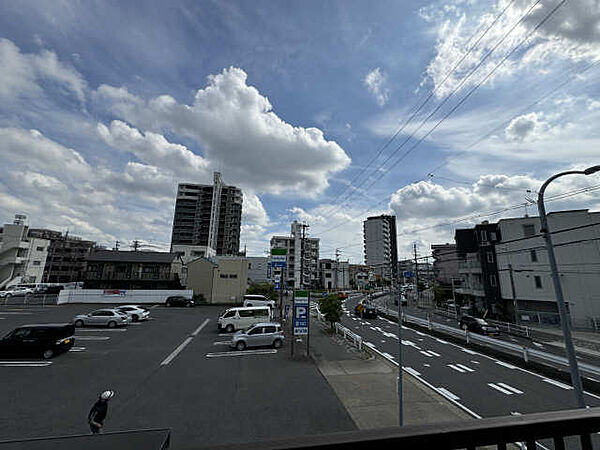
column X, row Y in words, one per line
column 258, row 300
column 16, row 291
column 137, row 313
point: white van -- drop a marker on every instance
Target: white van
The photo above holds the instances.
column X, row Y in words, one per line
column 241, row 318
column 258, row 300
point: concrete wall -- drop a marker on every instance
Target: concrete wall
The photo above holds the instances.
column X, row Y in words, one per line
column 118, row 296
column 200, row 277
column 220, row 280
column 257, row 268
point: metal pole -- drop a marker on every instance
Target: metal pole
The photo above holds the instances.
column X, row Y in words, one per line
column 400, row 400
column 562, row 309
column 514, row 294
column 308, row 323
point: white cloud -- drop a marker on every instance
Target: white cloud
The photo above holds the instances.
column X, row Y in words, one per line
column 571, row 34
column 376, row 81
column 237, row 130
column 526, row 126
column 21, row 73
column 253, row 210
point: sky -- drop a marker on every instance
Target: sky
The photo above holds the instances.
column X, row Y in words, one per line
column 444, row 113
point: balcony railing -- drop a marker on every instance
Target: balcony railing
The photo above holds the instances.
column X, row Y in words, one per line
column 132, row 276
column 524, row 430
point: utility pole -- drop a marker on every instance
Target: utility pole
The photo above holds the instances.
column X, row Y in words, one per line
column 116, row 248
column 400, row 397
column 337, row 267
column 136, row 245
column 514, row 294
column 302, row 253
column 416, row 272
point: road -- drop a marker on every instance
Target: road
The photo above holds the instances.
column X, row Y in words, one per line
column 481, row 385
column 174, row 371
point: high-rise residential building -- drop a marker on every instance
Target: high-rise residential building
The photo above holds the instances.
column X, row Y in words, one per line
column 22, row 257
column 207, row 220
column 302, row 262
column 380, row 246
column 66, row 256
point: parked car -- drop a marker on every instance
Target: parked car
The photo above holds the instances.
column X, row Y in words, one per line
column 241, row 318
column 258, row 335
column 137, row 313
column 102, row 317
column 342, row 295
column 16, row 291
column 258, row 300
column 179, row 300
column 45, row 340
column 477, row 325
column 368, row 311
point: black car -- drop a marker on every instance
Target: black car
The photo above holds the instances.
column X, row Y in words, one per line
column 368, row 311
column 477, row 325
column 179, row 300
column 45, row 340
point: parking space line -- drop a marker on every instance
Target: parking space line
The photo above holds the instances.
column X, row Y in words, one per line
column 77, row 349
column 25, row 363
column 102, row 330
column 222, row 343
column 175, row 352
column 200, row 327
column 92, row 338
column 242, row 353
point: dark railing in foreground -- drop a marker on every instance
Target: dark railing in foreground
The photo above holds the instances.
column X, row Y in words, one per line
column 498, row 431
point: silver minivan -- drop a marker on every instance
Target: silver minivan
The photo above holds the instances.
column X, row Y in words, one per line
column 240, row 318
column 268, row 334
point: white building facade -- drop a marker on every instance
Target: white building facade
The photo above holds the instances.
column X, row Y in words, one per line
column 522, row 256
column 334, row 274
column 258, row 269
column 379, row 236
column 22, row 259
column 302, row 258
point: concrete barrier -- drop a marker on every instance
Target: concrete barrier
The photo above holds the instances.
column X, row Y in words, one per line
column 123, row 296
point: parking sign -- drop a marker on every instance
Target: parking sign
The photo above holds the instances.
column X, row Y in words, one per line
column 301, row 311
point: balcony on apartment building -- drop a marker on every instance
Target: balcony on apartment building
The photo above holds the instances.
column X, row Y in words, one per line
column 469, row 265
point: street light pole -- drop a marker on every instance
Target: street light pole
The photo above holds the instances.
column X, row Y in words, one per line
column 562, row 310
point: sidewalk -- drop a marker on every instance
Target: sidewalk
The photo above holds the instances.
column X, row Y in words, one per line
column 585, row 341
column 367, row 386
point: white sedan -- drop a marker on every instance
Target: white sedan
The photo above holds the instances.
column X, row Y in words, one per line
column 137, row 313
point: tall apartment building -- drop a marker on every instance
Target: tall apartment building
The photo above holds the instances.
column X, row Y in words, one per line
column 207, row 220
column 22, row 258
column 302, row 258
column 66, row 256
column 380, row 246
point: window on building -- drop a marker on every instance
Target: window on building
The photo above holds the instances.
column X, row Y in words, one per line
column 490, row 257
column 492, row 236
column 484, row 236
column 534, row 257
column 233, row 275
column 327, row 275
column 538, row 281
column 528, row 230
column 222, row 275
column 39, row 249
column 36, row 263
column 493, row 281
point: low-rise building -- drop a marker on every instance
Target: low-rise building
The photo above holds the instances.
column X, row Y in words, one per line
column 113, row 269
column 22, row 257
column 334, row 274
column 445, row 263
column 359, row 275
column 258, row 269
column 221, row 279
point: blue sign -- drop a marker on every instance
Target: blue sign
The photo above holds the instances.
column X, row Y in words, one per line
column 301, row 311
column 408, row 274
column 324, row 294
column 278, row 264
column 287, row 311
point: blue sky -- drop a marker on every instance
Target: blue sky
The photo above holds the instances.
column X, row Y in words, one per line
column 290, row 101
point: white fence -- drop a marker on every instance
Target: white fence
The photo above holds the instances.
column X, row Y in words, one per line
column 123, row 296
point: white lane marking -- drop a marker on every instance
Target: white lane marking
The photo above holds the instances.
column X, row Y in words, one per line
column 510, row 388
column 426, row 365
column 410, row 344
column 369, row 344
column 475, row 362
column 389, row 335
column 467, row 368
column 373, row 328
column 92, row 338
column 2, row 318
column 17, row 313
column 25, row 363
column 77, row 349
column 382, row 341
column 175, row 352
column 434, row 353
column 503, row 364
column 388, row 321
column 354, row 318
column 446, row 393
column 420, row 339
column 441, row 341
column 225, row 334
column 242, row 353
column 500, row 389
column 412, row 371
column 222, row 343
column 102, row 330
column 537, row 344
column 557, row 383
column 197, row 330
column 470, row 352
column 387, row 355
column 458, row 369
column 419, row 333
column 426, row 353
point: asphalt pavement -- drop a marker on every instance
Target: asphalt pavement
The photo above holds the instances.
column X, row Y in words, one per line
column 174, row 371
column 481, row 385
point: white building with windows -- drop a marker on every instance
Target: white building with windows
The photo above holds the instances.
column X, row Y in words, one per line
column 334, row 274
column 522, row 255
column 380, row 247
column 22, row 258
column 258, row 269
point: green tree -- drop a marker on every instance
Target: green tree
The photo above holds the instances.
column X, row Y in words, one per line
column 331, row 308
column 266, row 289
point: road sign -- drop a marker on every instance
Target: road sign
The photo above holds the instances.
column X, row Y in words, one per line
column 286, row 312
column 301, row 311
column 408, row 274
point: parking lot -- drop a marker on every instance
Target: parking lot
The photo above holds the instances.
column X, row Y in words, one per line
column 174, row 370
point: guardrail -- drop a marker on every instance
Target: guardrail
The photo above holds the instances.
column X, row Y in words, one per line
column 354, row 338
column 511, row 328
column 30, row 300
column 525, row 352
